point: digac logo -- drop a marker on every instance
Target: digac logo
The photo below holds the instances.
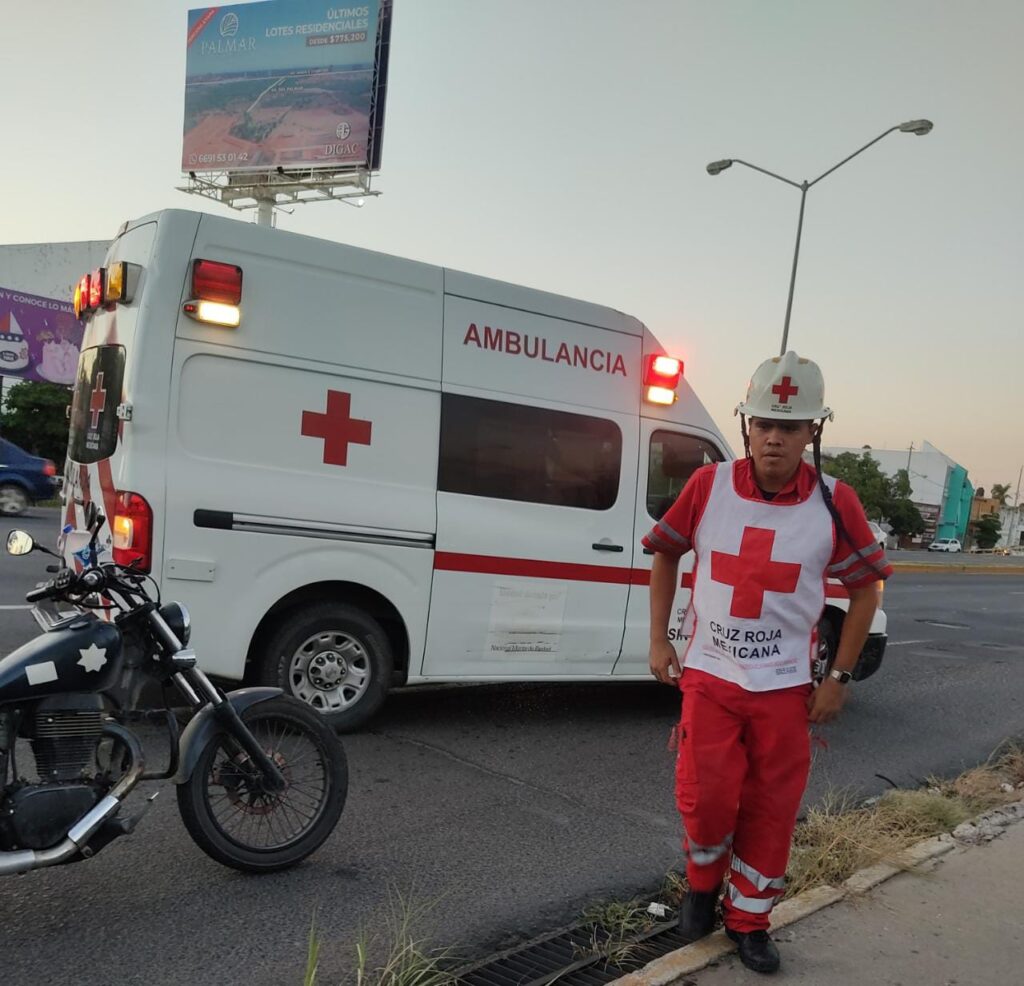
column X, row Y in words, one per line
column 343, row 130
column 229, row 25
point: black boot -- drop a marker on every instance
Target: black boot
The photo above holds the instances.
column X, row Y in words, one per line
column 757, row 950
column 697, row 915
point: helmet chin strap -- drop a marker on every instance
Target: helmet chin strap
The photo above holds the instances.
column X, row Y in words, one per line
column 746, row 437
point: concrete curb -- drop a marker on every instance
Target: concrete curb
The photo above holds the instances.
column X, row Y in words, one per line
column 669, row 969
column 957, row 569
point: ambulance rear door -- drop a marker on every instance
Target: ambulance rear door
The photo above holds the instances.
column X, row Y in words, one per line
column 536, row 486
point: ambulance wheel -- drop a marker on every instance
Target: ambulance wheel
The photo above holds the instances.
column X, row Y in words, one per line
column 335, row 658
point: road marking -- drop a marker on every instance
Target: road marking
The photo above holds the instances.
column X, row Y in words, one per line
column 904, row 643
column 16, row 607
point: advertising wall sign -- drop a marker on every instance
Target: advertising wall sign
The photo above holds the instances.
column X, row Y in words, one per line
column 39, row 337
column 294, row 84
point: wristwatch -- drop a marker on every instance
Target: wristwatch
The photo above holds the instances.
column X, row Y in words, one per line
column 841, row 676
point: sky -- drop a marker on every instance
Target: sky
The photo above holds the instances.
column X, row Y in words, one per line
column 563, row 146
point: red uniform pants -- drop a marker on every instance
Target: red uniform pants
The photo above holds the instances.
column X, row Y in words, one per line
column 741, row 771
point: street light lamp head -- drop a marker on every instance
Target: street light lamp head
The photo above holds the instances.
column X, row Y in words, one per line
column 715, row 167
column 919, row 127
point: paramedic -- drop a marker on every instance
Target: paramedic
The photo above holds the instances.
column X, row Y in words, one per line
column 767, row 532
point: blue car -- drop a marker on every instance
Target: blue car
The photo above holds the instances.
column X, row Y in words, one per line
column 24, row 479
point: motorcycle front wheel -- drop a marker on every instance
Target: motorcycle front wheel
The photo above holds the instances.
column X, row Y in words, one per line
column 236, row 820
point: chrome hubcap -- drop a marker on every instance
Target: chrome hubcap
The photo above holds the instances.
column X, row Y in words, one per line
column 330, row 670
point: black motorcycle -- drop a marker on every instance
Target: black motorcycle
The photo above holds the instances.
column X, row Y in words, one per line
column 261, row 780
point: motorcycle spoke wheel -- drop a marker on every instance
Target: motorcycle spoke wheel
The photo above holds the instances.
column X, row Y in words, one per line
column 237, row 819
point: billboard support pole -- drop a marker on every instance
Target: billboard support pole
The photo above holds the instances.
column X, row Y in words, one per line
column 265, row 212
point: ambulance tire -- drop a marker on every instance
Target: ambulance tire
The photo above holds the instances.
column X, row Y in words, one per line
column 363, row 642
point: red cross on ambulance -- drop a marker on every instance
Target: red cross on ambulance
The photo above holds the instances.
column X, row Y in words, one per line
column 336, row 427
column 752, row 572
column 98, row 400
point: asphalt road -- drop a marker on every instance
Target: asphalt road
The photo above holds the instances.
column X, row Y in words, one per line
column 506, row 808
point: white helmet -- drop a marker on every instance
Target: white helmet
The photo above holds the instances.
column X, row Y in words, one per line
column 786, row 387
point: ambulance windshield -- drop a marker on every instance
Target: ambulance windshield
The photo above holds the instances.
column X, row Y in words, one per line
column 94, row 420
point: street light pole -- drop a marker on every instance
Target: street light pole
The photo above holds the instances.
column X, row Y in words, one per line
column 918, row 127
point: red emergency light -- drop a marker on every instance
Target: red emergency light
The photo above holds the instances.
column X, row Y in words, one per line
column 96, row 289
column 216, row 294
column 213, row 281
column 661, row 377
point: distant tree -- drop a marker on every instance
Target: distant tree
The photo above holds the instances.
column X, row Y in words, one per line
column 987, row 531
column 34, row 418
column 1001, row 492
column 865, row 476
column 904, row 518
column 899, row 486
column 979, row 493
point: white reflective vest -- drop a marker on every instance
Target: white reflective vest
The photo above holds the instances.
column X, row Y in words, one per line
column 759, row 586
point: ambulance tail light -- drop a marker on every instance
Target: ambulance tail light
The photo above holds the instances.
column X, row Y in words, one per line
column 661, row 377
column 133, row 532
column 216, row 294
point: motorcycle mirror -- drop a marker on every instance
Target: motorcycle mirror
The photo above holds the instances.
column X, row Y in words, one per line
column 19, row 543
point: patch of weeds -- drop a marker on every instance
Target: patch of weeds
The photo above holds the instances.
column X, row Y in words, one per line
column 614, row 927
column 313, row 954
column 673, row 889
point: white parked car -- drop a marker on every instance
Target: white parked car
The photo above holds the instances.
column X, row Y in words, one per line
column 878, row 533
column 945, row 544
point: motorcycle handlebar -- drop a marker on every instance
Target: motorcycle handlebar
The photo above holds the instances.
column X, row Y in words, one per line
column 42, row 592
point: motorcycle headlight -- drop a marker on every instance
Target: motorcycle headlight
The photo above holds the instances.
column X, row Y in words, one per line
column 176, row 616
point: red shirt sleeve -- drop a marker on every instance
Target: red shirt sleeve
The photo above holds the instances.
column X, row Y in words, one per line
column 863, row 561
column 673, row 534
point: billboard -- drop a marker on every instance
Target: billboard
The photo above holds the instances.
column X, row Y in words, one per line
column 39, row 337
column 293, row 84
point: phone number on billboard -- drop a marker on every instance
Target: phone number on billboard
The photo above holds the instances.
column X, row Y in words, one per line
column 336, row 39
column 227, row 158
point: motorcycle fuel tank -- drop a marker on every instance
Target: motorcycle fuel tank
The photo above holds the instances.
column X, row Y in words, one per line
column 83, row 654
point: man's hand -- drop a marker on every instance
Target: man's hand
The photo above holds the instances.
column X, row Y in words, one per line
column 664, row 663
column 826, row 701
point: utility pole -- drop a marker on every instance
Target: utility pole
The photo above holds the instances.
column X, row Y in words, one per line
column 1015, row 516
column 909, row 451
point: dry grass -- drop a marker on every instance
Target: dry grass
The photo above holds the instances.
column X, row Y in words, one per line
column 838, row 838
column 614, row 926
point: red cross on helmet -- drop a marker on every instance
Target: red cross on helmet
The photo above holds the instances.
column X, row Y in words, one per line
column 786, row 387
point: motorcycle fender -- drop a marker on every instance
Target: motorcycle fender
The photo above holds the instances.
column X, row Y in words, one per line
column 204, row 726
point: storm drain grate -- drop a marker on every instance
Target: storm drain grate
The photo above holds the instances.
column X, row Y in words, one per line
column 568, row 958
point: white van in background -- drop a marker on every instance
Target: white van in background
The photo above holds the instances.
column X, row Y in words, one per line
column 359, row 471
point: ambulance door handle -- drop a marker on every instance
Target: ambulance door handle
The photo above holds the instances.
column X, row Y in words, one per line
column 606, row 546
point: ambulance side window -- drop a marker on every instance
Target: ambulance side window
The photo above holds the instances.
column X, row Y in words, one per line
column 531, row 454
column 93, row 433
column 674, row 459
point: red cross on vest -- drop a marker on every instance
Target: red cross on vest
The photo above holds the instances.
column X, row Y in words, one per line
column 784, row 389
column 336, row 427
column 752, row 572
column 98, row 400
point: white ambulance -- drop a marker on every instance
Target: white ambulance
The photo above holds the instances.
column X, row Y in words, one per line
column 360, row 472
